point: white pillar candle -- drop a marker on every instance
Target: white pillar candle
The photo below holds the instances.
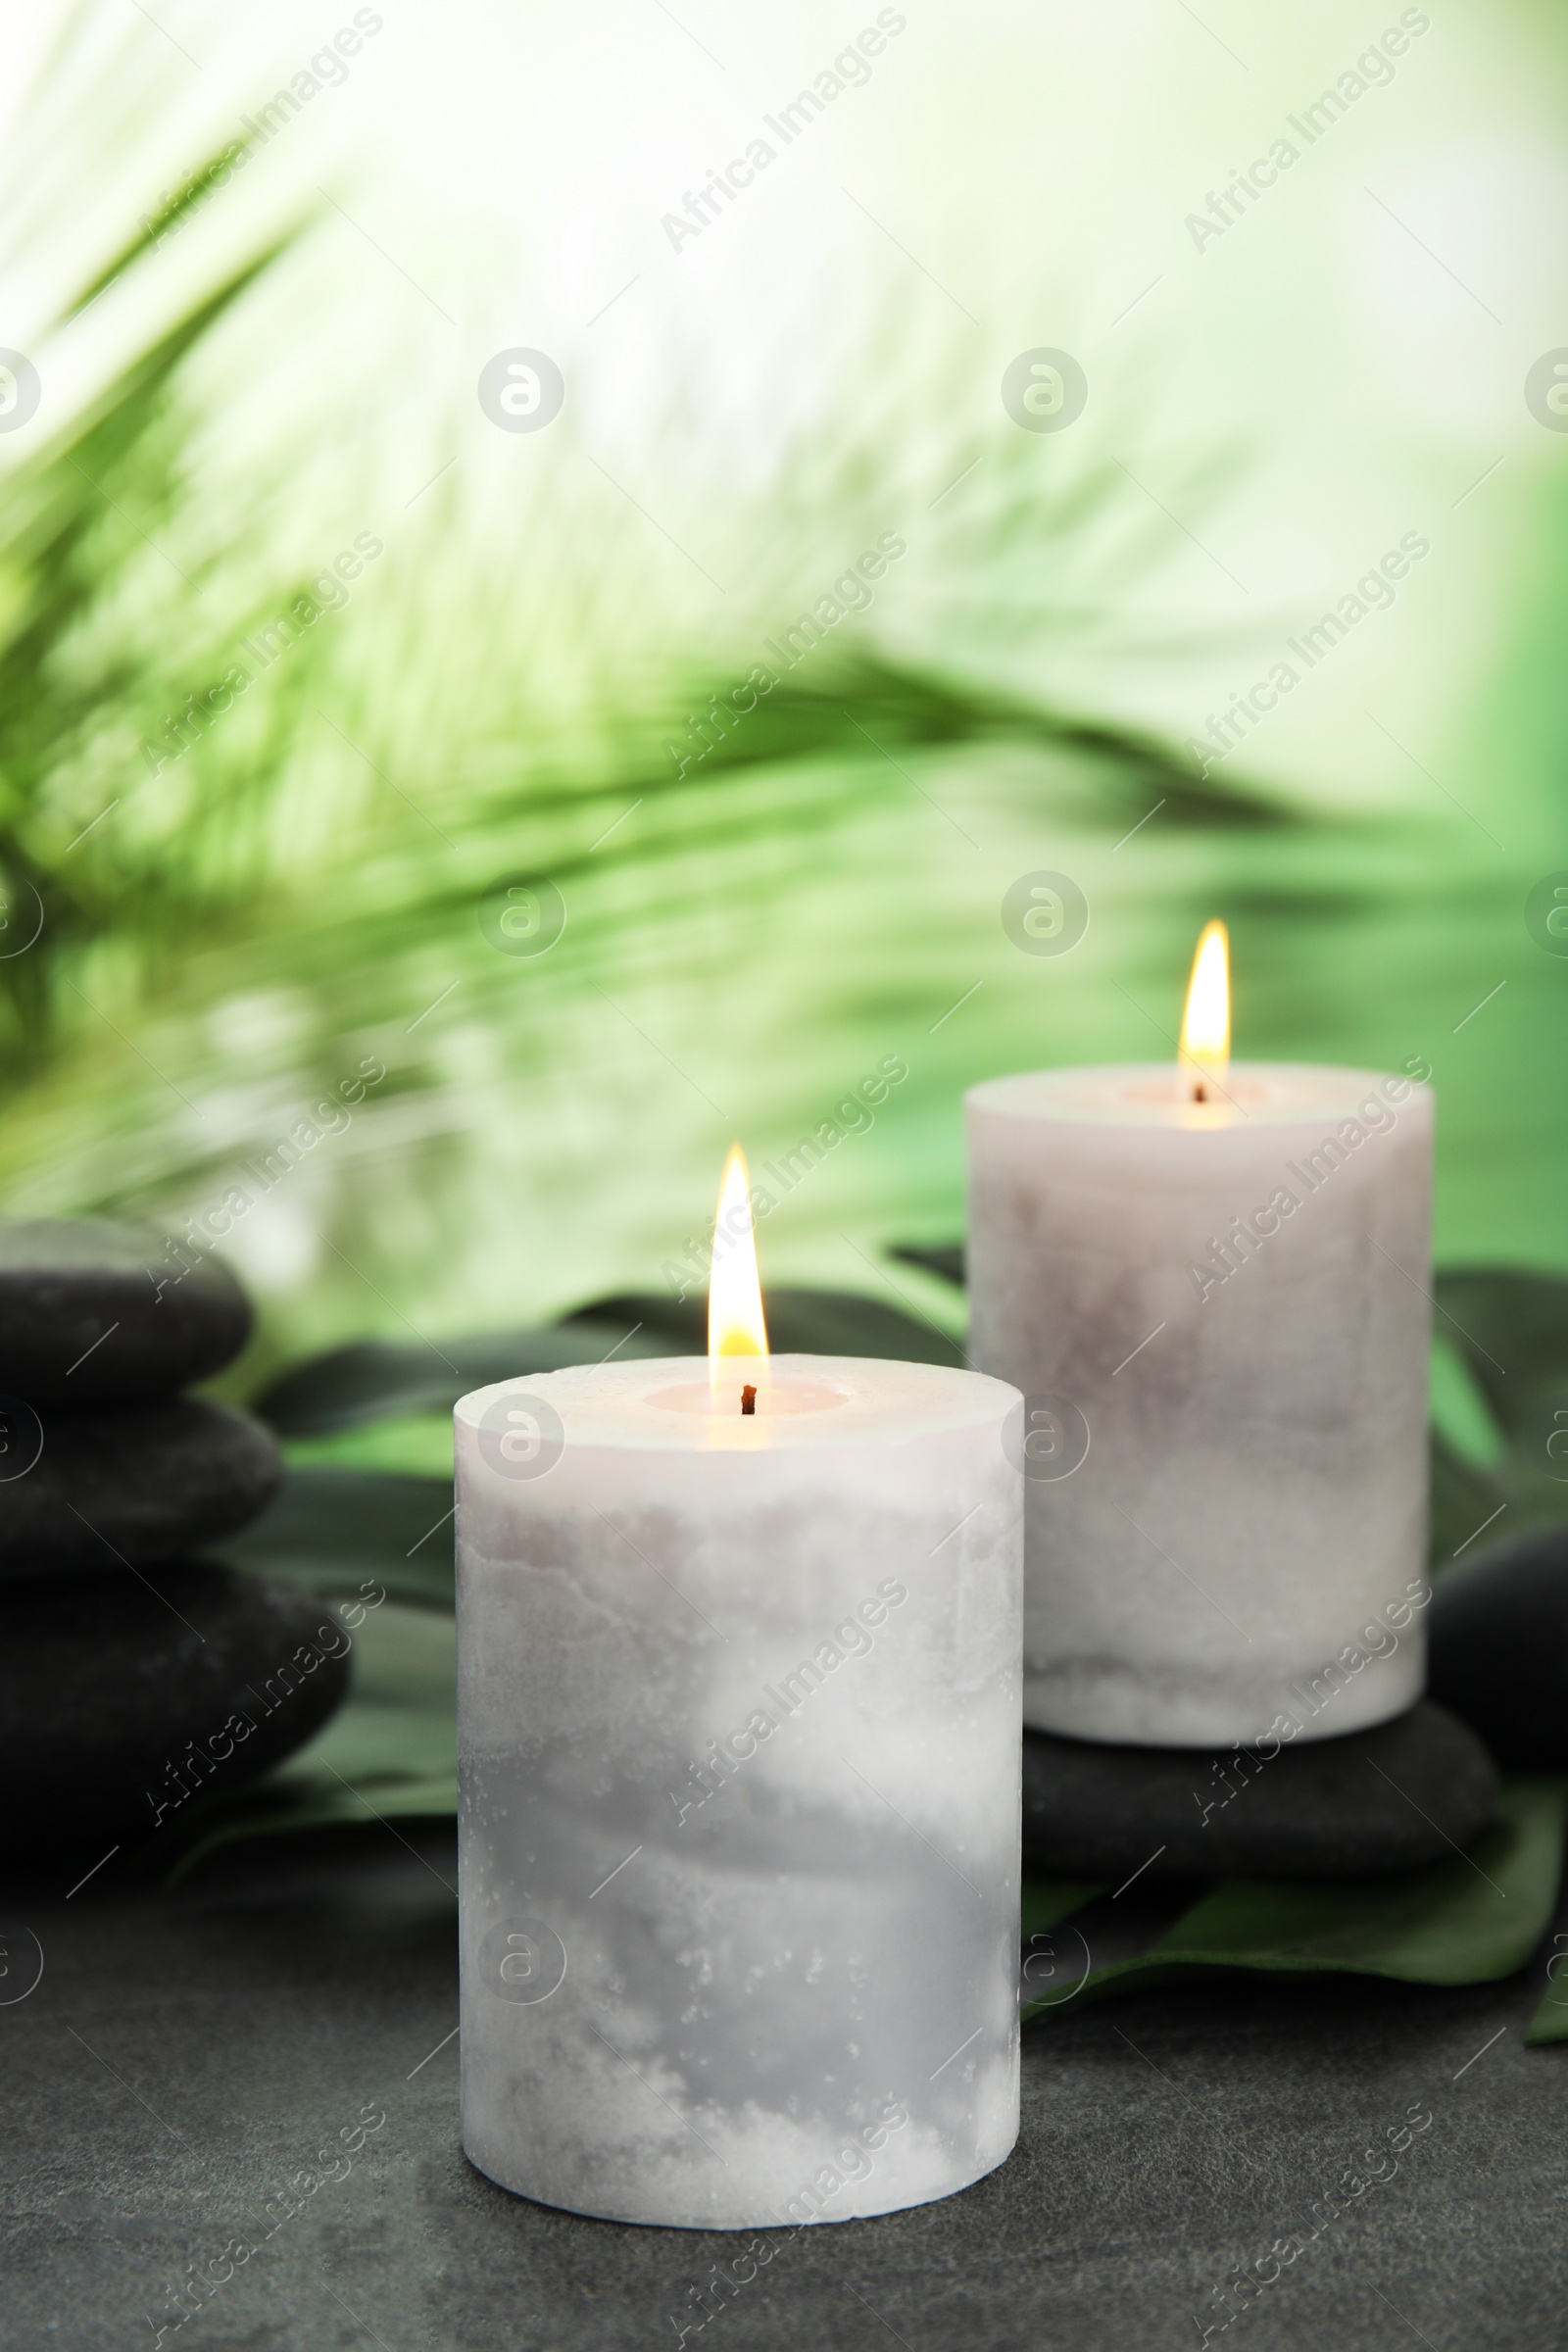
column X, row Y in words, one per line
column 1218, row 1313
column 738, row 1716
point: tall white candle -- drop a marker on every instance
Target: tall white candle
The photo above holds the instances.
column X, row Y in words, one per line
column 1217, row 1310
column 738, row 1714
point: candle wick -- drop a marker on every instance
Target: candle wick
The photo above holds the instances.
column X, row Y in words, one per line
column 748, row 1400
column 1199, row 1091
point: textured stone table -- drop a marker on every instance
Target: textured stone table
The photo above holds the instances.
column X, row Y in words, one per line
column 184, row 2057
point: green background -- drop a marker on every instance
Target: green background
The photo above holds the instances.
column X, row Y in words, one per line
column 285, row 361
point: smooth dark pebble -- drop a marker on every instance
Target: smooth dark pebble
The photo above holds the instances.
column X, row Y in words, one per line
column 93, row 1313
column 1498, row 1648
column 161, row 1481
column 114, row 1690
column 1393, row 1798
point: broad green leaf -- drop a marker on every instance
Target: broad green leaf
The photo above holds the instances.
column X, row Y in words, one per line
column 800, row 1322
column 1044, row 1900
column 944, row 1258
column 1460, row 1408
column 376, row 1379
column 1507, row 1445
column 1511, row 1327
column 406, row 1445
column 1551, row 2020
column 1468, row 1505
column 339, row 1532
column 323, row 1803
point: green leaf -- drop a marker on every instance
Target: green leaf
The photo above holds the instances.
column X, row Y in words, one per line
column 72, row 513
column 413, row 1445
column 177, row 207
column 800, row 1322
column 858, row 699
column 1045, row 1901
column 1512, row 1330
column 944, row 1258
column 1462, row 1922
column 1460, row 1408
column 1509, row 1332
column 1465, row 1501
column 335, row 1530
column 1551, row 2020
column 373, row 1379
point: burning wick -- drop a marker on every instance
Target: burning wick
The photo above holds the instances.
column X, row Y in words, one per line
column 1200, row 1093
column 748, row 1400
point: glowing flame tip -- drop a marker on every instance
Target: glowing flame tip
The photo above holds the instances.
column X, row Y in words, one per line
column 1205, row 1044
column 735, row 1325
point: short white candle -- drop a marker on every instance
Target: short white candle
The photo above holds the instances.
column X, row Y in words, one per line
column 738, row 1713
column 1218, row 1313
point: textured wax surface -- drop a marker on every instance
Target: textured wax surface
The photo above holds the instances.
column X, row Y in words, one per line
column 743, row 1976
column 1253, row 1496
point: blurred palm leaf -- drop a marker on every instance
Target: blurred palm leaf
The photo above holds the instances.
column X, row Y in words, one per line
column 749, row 926
column 70, row 522
column 234, row 931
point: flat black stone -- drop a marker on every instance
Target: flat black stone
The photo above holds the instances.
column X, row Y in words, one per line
column 85, row 1322
column 1498, row 1655
column 107, row 1682
column 157, row 1482
column 1388, row 1798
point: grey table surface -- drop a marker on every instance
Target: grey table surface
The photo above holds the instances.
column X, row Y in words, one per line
column 184, row 2057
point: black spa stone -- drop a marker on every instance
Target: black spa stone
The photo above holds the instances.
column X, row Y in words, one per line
column 1388, row 1798
column 123, row 1700
column 93, row 1313
column 154, row 1481
column 1498, row 1648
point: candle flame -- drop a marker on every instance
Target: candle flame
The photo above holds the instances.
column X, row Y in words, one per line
column 735, row 1325
column 1205, row 1046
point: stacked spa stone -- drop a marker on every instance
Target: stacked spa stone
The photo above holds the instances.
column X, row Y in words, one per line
column 1400, row 1795
column 135, row 1676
